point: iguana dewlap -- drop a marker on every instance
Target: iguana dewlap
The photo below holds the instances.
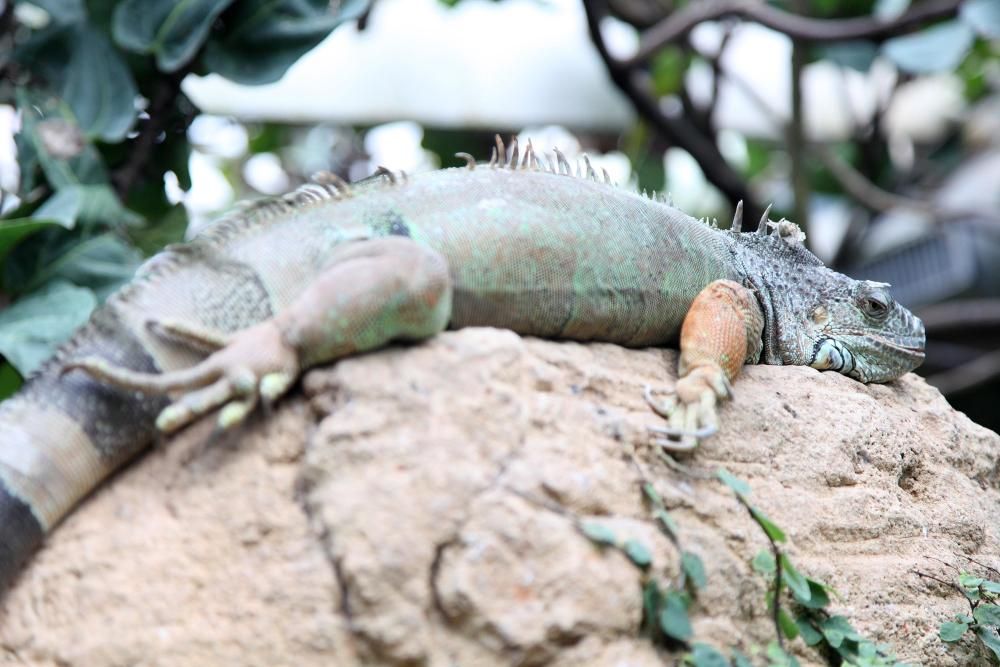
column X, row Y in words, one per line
column 233, row 318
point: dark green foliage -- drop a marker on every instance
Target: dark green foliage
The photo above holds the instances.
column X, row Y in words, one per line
column 983, row 596
column 811, row 621
column 91, row 186
column 264, row 37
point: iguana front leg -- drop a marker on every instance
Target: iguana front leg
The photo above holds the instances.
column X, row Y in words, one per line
column 721, row 332
column 369, row 293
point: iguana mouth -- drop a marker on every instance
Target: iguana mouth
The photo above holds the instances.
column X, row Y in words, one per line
column 909, row 344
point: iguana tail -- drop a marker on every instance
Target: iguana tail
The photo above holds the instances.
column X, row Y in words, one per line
column 64, row 433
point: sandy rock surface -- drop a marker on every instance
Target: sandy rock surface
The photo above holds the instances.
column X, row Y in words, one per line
column 420, row 506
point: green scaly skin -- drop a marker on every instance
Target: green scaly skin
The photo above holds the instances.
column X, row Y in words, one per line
column 234, row 317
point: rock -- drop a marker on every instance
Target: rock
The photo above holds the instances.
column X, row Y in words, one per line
column 423, row 505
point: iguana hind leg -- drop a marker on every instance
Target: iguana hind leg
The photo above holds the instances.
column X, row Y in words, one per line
column 370, row 293
column 721, row 332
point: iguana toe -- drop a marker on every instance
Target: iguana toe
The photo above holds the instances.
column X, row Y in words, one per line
column 235, row 413
column 255, row 364
column 690, row 412
column 197, row 338
column 274, row 385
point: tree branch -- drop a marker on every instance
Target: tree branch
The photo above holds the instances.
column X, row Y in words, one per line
column 796, row 134
column 164, row 95
column 6, row 34
column 680, row 23
column 849, row 178
column 675, row 129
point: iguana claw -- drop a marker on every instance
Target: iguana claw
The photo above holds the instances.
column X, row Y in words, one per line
column 255, row 364
column 690, row 412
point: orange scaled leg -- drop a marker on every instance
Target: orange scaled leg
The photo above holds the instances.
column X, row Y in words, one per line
column 721, row 331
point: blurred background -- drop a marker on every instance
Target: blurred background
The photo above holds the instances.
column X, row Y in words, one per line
column 875, row 124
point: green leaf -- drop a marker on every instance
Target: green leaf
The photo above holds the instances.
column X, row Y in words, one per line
column 598, row 533
column 818, row 597
column 987, row 614
column 936, row 49
column 703, row 655
column 666, row 521
column 836, row 629
column 810, row 635
column 10, row 380
column 738, row 486
column 867, row 651
column 261, row 39
column 63, row 207
column 50, row 135
column 966, row 580
column 772, row 530
column 970, row 585
column 740, row 660
column 102, row 263
column 787, row 624
column 990, row 586
column 153, row 236
column 654, row 496
column 778, row 657
column 988, row 636
column 32, row 328
column 667, row 70
column 12, row 231
column 763, row 562
column 98, row 86
column 794, row 580
column 637, row 553
column 78, row 63
column 173, row 31
column 95, row 204
column 952, row 632
column 674, row 619
column 983, row 16
column 857, row 55
column 694, row 569
column 651, row 601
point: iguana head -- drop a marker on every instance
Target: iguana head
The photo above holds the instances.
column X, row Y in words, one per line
column 862, row 332
column 824, row 319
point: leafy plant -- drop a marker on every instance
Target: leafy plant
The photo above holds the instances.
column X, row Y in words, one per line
column 983, row 621
column 103, row 120
column 807, row 616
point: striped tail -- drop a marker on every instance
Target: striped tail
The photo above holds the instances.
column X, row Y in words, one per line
column 63, row 434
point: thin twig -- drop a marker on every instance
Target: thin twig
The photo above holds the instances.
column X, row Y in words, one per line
column 972, row 560
column 949, row 584
column 854, row 182
column 677, row 26
column 675, row 129
column 776, row 612
column 716, row 63
column 141, row 150
column 678, row 467
column 6, row 35
column 796, row 134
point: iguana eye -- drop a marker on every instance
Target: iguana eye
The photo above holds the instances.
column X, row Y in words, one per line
column 875, row 305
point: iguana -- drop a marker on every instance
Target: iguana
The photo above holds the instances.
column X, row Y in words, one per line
column 233, row 317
